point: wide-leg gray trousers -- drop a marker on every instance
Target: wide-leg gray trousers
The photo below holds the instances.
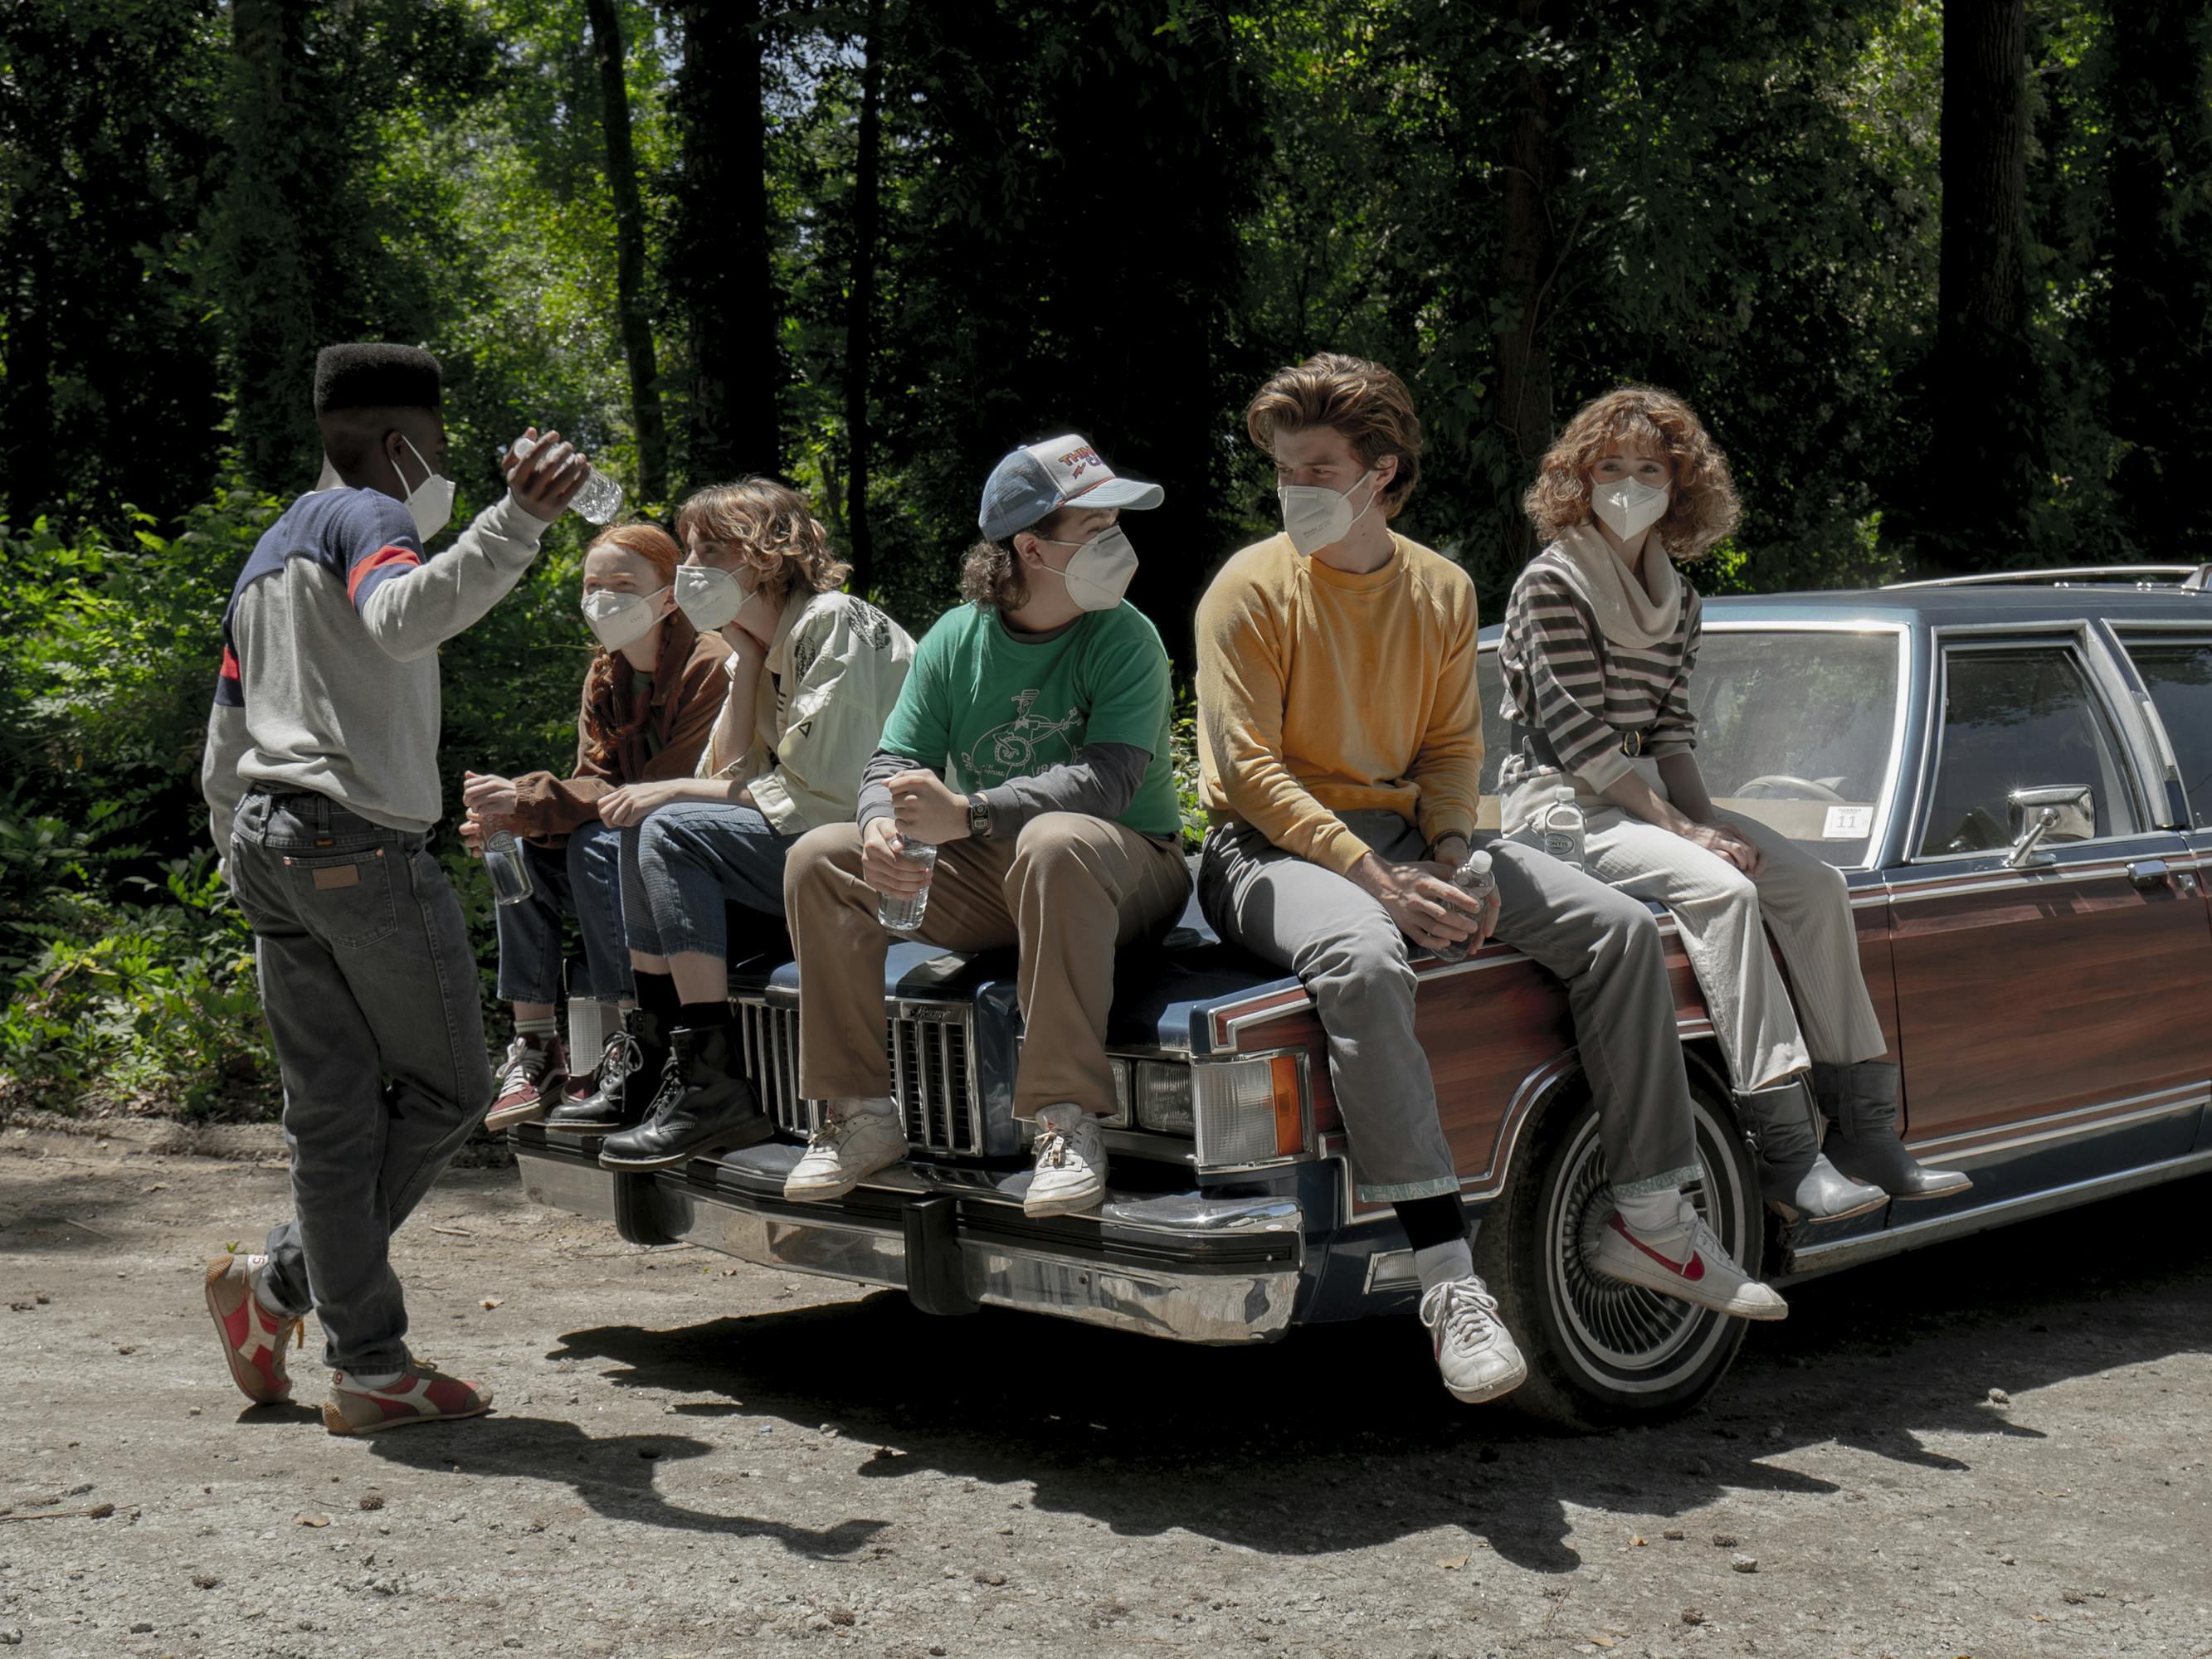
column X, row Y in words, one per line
column 1335, row 937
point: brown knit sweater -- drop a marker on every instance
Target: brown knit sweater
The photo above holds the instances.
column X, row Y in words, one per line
column 689, row 687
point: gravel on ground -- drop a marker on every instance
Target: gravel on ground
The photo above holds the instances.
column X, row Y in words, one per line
column 1994, row 1448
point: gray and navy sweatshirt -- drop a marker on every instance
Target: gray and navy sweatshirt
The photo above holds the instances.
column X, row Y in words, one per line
column 329, row 681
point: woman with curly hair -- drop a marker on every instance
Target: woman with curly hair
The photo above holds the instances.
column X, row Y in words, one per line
column 650, row 695
column 811, row 677
column 1600, row 640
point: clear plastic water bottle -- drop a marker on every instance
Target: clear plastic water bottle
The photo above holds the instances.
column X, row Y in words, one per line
column 903, row 915
column 599, row 499
column 1475, row 880
column 1559, row 829
column 509, row 870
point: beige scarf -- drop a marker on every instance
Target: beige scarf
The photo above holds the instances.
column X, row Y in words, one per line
column 1627, row 614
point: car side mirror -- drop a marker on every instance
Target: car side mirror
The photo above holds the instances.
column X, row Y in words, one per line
column 2058, row 811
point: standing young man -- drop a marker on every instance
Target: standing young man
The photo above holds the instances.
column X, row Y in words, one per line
column 1338, row 819
column 1031, row 744
column 321, row 781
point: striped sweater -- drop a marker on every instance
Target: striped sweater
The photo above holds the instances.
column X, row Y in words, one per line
column 1572, row 695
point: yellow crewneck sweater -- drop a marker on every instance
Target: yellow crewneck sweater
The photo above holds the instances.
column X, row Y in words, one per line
column 1320, row 693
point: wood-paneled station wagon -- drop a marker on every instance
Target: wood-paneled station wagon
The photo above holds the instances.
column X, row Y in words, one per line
column 2016, row 775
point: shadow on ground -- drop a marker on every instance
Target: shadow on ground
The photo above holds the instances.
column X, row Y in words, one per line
column 1339, row 1437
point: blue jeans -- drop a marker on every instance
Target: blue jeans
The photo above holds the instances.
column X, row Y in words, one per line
column 370, row 988
column 685, row 862
column 583, row 880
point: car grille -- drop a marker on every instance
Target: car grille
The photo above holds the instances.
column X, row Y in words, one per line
column 932, row 1058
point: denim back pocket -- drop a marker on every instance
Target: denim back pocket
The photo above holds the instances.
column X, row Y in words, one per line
column 344, row 898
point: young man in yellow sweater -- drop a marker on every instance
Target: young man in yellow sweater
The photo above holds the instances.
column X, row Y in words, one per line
column 1341, row 746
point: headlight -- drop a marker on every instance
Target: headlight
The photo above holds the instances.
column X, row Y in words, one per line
column 1164, row 1097
column 1248, row 1111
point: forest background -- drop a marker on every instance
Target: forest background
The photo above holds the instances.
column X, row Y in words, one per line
column 1939, row 276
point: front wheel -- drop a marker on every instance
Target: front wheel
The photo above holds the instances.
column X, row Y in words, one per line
column 1600, row 1353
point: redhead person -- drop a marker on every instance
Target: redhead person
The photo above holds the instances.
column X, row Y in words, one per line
column 810, row 675
column 1600, row 642
column 650, row 699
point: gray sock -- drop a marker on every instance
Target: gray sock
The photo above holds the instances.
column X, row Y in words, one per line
column 872, row 1106
column 1435, row 1263
column 1651, row 1213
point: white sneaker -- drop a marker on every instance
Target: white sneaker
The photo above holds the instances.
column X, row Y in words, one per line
column 1474, row 1350
column 850, row 1146
column 1070, row 1163
column 1686, row 1263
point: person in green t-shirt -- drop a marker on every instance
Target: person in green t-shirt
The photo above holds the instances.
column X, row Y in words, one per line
column 1029, row 748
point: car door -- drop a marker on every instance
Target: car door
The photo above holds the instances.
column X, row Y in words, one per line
column 2039, row 1044
column 2174, row 664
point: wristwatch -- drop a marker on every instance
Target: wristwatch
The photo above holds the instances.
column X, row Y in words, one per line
column 979, row 817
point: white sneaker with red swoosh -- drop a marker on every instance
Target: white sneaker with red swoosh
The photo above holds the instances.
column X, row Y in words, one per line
column 1686, row 1263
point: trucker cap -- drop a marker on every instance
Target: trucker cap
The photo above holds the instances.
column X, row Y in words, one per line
column 1031, row 483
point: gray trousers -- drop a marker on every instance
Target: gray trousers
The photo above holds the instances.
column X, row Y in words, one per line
column 370, row 988
column 1357, row 966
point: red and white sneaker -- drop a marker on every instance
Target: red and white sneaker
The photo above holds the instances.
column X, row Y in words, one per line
column 253, row 1339
column 422, row 1394
column 530, row 1081
column 1686, row 1263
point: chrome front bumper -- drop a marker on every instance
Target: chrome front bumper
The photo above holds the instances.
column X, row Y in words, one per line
column 1186, row 1266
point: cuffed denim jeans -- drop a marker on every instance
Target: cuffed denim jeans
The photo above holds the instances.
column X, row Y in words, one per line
column 583, row 880
column 1341, row 942
column 685, row 862
column 370, row 988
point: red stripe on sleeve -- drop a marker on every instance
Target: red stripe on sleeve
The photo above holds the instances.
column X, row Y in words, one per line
column 229, row 664
column 377, row 561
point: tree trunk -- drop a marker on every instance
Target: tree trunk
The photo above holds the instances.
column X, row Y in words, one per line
column 630, row 253
column 860, row 307
column 1528, row 261
column 722, row 253
column 1985, row 422
column 267, row 295
column 2157, row 323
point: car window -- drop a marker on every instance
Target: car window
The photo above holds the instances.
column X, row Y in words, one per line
column 2018, row 718
column 2178, row 675
column 1795, row 729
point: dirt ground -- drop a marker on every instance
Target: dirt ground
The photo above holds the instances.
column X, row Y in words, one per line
column 692, row 1457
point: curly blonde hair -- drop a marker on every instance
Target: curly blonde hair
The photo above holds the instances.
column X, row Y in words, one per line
column 772, row 526
column 1702, row 508
column 1365, row 401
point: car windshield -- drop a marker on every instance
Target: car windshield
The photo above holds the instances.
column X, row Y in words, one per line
column 1795, row 729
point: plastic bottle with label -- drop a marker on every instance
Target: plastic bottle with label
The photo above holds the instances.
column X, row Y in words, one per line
column 1474, row 878
column 1559, row 829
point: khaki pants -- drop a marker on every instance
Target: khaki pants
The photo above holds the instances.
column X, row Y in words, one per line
column 1070, row 889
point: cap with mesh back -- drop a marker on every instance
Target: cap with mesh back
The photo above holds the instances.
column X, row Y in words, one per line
column 376, row 375
column 1032, row 483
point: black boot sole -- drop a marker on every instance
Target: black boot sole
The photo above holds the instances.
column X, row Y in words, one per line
column 736, row 1139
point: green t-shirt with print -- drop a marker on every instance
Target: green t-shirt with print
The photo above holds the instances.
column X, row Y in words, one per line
column 987, row 706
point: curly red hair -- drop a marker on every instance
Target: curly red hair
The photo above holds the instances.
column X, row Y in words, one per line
column 1703, row 507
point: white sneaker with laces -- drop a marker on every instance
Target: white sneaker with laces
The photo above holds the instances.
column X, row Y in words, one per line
column 1686, row 1263
column 849, row 1147
column 1474, row 1351
column 1070, row 1163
